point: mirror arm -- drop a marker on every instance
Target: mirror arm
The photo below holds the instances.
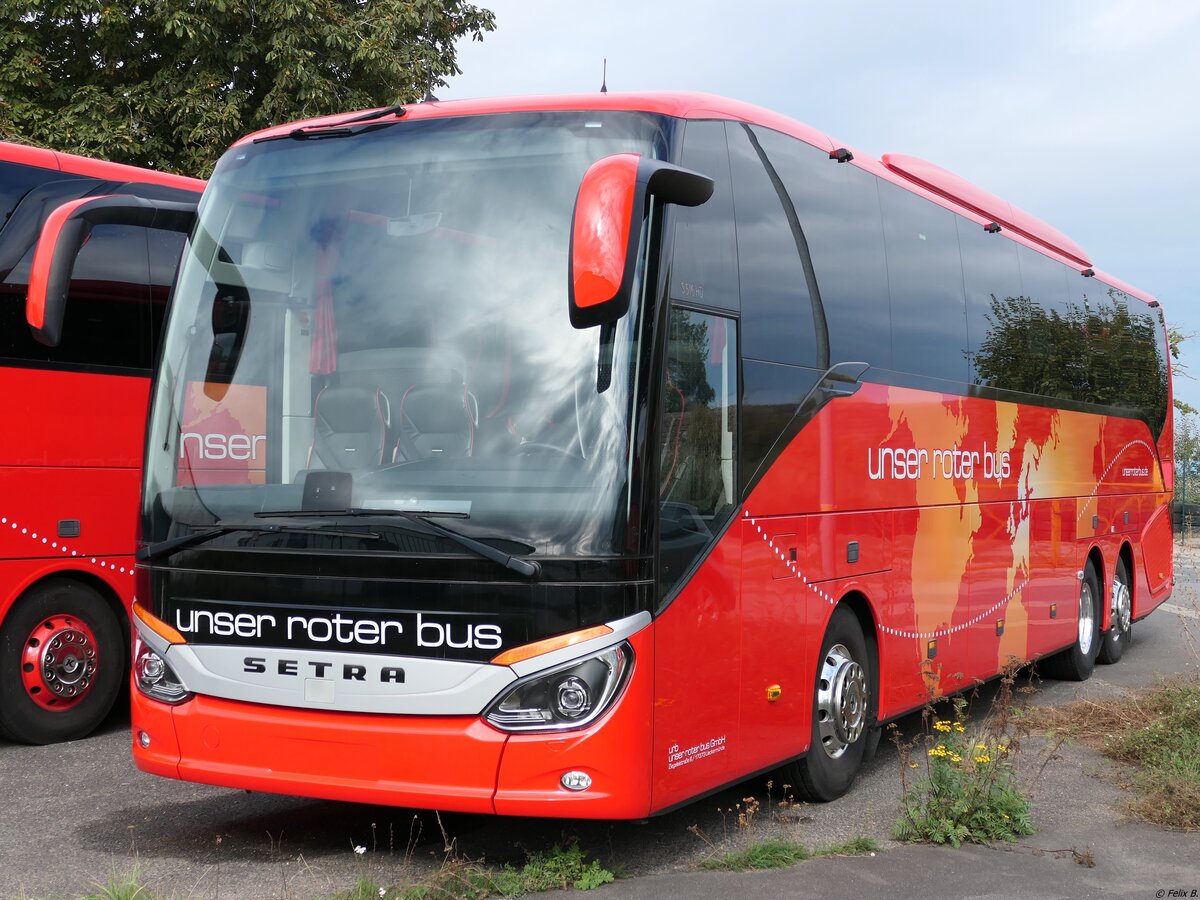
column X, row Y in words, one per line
column 62, row 237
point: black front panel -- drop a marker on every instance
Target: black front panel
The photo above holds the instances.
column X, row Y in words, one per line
column 405, row 614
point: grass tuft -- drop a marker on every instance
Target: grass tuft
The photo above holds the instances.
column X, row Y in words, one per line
column 776, row 853
column 1158, row 732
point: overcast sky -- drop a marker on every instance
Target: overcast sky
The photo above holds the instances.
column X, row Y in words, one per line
column 1086, row 114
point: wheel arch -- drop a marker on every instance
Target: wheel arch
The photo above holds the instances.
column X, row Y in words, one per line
column 1095, row 558
column 106, row 591
column 1125, row 554
column 859, row 604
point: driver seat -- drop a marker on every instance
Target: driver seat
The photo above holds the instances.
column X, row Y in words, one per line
column 350, row 429
column 434, row 420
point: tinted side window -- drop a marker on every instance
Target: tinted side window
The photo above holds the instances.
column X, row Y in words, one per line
column 777, row 316
column 925, row 282
column 1044, row 282
column 704, row 264
column 699, row 438
column 838, row 207
column 166, row 248
column 1122, row 345
column 108, row 307
column 15, row 182
column 992, row 279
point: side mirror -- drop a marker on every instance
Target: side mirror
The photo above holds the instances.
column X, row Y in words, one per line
column 606, row 228
column 63, row 235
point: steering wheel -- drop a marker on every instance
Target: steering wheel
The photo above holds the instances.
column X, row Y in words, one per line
column 538, row 447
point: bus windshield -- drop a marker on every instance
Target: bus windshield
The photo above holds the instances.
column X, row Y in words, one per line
column 377, row 320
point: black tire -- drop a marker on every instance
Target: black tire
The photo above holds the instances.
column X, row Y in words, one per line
column 68, row 606
column 832, row 762
column 1120, row 627
column 1077, row 661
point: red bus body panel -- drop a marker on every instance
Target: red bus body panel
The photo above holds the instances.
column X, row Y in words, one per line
column 457, row 763
column 76, row 457
column 73, row 439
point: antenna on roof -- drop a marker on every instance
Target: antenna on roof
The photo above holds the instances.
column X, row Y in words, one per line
column 604, row 78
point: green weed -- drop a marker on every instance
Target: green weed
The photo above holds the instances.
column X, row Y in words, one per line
column 969, row 792
column 459, row 879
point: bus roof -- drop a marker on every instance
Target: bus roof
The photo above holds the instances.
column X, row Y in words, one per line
column 94, row 168
column 913, row 174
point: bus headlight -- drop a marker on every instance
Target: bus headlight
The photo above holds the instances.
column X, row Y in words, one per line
column 570, row 696
column 155, row 678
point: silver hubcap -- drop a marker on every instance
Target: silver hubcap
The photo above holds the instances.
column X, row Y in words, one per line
column 1087, row 619
column 841, row 701
column 1122, row 609
column 68, row 662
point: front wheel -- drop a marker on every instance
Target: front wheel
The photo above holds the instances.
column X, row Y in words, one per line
column 62, row 661
column 844, row 734
column 1077, row 661
column 1120, row 627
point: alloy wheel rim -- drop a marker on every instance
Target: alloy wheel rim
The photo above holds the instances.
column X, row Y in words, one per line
column 1087, row 619
column 841, row 701
column 1122, row 609
column 59, row 662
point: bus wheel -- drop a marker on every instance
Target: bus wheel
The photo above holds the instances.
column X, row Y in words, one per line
column 62, row 661
column 843, row 728
column 1120, row 632
column 1077, row 661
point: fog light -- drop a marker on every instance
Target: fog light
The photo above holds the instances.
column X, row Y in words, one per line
column 576, row 781
column 144, row 740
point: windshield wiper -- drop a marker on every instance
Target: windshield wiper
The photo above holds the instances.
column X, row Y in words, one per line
column 169, row 546
column 530, row 568
column 339, row 129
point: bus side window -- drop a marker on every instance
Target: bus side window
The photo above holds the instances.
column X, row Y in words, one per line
column 107, row 323
column 838, row 207
column 992, row 278
column 166, row 248
column 925, row 284
column 777, row 314
column 16, row 181
column 704, row 260
column 1044, row 282
column 698, row 438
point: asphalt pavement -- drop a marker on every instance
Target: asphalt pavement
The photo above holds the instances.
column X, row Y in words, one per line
column 78, row 814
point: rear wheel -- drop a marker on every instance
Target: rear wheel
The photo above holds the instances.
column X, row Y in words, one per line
column 1120, row 631
column 62, row 660
column 1077, row 661
column 844, row 734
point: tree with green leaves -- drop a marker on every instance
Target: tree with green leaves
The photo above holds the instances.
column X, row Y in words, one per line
column 170, row 84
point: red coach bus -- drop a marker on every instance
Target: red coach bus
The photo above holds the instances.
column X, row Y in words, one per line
column 70, row 458
column 578, row 456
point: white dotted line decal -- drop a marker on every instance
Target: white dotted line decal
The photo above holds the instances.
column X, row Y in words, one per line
column 941, row 632
column 55, row 545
